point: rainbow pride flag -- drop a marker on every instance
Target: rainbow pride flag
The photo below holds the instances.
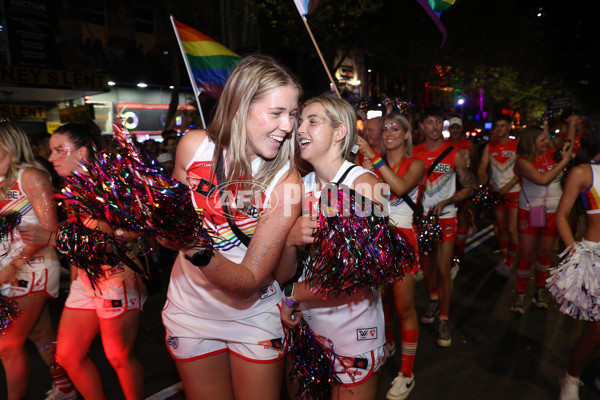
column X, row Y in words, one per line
column 209, row 63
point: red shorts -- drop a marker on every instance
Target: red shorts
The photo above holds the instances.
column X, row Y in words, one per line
column 548, row 230
column 448, row 226
column 411, row 235
column 511, row 201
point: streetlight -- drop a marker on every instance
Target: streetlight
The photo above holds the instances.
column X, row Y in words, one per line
column 461, row 103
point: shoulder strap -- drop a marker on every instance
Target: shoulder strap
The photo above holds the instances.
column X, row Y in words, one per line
column 245, row 239
column 345, row 174
column 439, row 159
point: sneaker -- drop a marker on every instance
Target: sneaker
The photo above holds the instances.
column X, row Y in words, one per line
column 502, row 269
column 455, row 268
column 402, row 385
column 443, row 339
column 56, row 394
column 519, row 304
column 569, row 387
column 432, row 311
column 540, row 298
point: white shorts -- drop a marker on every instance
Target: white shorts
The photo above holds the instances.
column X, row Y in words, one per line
column 353, row 371
column 258, row 339
column 42, row 275
column 112, row 302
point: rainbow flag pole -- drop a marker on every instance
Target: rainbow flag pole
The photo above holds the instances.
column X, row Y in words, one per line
column 191, row 76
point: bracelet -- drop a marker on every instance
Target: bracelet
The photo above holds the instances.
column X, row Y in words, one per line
column 289, row 302
column 377, row 162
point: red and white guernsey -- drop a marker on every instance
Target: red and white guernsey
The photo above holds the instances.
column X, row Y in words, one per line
column 15, row 200
column 401, row 215
column 441, row 184
column 536, row 193
column 355, row 325
column 189, row 290
column 502, row 164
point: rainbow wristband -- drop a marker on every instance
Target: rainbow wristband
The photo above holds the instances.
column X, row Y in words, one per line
column 377, row 162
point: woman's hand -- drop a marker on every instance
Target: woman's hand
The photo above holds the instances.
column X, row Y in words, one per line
column 35, row 235
column 289, row 316
column 8, row 273
column 364, row 148
column 303, row 231
column 567, row 149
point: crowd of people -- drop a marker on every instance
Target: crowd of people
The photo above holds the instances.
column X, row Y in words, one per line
column 228, row 310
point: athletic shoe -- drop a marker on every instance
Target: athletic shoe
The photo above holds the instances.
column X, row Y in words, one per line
column 569, row 387
column 455, row 268
column 402, row 385
column 443, row 339
column 540, row 298
column 502, row 269
column 432, row 311
column 519, row 304
column 57, row 394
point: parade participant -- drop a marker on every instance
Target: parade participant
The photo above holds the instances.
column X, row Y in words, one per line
column 540, row 175
column 444, row 165
column 326, row 134
column 29, row 274
column 403, row 173
column 582, row 183
column 222, row 312
column 111, row 305
column 499, row 156
column 458, row 140
column 373, row 139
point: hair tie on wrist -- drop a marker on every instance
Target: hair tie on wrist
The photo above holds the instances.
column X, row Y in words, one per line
column 377, row 162
column 49, row 237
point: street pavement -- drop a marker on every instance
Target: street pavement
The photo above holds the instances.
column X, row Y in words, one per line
column 495, row 354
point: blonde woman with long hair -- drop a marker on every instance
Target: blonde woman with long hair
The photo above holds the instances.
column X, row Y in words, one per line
column 29, row 274
column 327, row 133
column 222, row 311
column 404, row 173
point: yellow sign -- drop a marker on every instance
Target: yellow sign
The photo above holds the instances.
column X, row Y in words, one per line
column 52, row 78
column 19, row 111
column 52, row 126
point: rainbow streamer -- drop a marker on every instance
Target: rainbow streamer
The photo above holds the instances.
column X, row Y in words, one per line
column 434, row 9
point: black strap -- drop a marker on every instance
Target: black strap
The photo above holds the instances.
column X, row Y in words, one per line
column 410, row 203
column 439, row 159
column 245, row 239
column 345, row 174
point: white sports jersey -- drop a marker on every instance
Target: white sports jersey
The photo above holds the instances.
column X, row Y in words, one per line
column 354, row 324
column 16, row 201
column 534, row 193
column 189, row 290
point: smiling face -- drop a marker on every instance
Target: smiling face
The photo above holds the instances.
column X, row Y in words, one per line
column 316, row 135
column 65, row 157
column 270, row 120
column 393, row 135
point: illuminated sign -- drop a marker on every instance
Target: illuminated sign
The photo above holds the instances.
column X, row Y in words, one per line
column 52, row 78
column 19, row 111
